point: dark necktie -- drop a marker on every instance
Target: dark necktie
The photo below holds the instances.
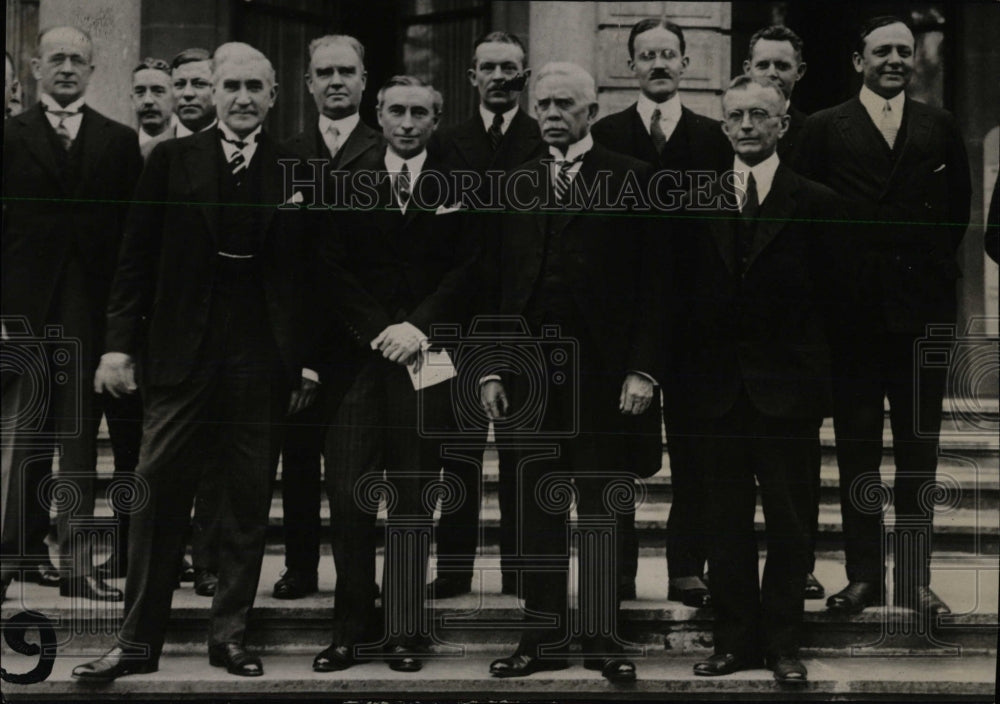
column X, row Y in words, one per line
column 495, row 133
column 748, row 220
column 562, row 179
column 61, row 130
column 403, row 186
column 656, row 132
column 237, row 162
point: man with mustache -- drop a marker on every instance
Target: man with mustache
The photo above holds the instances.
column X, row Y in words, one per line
column 497, row 138
column 903, row 168
column 211, row 295
column 68, row 176
column 336, row 80
column 659, row 130
column 153, row 101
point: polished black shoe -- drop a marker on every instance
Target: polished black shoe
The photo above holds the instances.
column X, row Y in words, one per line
column 403, row 659
column 117, row 662
column 524, row 665
column 89, row 588
column 787, row 669
column 626, row 589
column 813, row 589
column 44, row 574
column 695, row 595
column 856, row 597
column 334, row 658
column 448, row 587
column 508, row 583
column 205, row 583
column 724, row 664
column 617, row 670
column 924, row 601
column 295, row 584
column 186, row 571
column 235, row 659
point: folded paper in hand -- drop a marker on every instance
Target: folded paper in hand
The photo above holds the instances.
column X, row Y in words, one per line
column 436, row 368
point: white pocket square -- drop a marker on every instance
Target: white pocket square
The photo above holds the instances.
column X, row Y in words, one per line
column 445, row 209
column 940, row 168
column 296, row 198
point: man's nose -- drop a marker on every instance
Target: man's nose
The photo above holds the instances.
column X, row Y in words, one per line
column 496, row 74
column 67, row 66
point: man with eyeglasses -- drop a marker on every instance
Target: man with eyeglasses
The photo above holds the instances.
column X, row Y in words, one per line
column 659, row 130
column 68, row 175
column 755, row 377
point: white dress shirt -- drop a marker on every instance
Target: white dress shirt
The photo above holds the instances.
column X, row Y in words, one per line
column 71, row 123
column 670, row 113
column 344, row 127
column 875, row 105
column 394, row 164
column 230, row 149
column 575, row 150
column 487, row 117
column 763, row 174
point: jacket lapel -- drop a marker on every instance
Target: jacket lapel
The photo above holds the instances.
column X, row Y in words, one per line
column 473, row 144
column 272, row 184
column 918, row 124
column 641, row 141
column 201, row 162
column 857, row 130
column 361, row 139
column 37, row 140
column 96, row 135
column 777, row 208
column 521, row 142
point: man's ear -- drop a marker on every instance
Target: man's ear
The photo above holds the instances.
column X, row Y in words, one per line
column 746, row 66
column 471, row 73
column 786, row 120
column 274, row 95
column 36, row 68
column 801, row 71
column 858, row 61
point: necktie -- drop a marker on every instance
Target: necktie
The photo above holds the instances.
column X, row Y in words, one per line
column 562, row 179
column 656, row 132
column 403, row 186
column 495, row 133
column 238, row 161
column 61, row 130
column 748, row 220
column 332, row 139
column 888, row 125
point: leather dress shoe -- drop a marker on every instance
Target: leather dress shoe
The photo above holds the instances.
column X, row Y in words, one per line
column 334, row 658
column 813, row 588
column 205, row 583
column 447, row 587
column 626, row 589
column 186, row 571
column 787, row 669
column 117, row 662
column 924, row 601
column 235, row 659
column 295, row 584
column 520, row 665
column 89, row 588
column 691, row 592
column 617, row 670
column 856, row 596
column 44, row 574
column 114, row 567
column 724, row 664
column 403, row 659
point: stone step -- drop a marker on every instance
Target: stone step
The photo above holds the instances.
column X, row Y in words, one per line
column 662, row 677
column 486, row 619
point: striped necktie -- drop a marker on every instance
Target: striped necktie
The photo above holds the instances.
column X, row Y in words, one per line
column 495, row 133
column 61, row 130
column 562, row 178
column 238, row 161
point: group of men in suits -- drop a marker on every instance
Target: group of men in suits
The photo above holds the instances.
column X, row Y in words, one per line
column 249, row 319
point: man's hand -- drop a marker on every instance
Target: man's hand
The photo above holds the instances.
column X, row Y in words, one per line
column 399, row 343
column 115, row 374
column 637, row 393
column 494, row 400
column 302, row 396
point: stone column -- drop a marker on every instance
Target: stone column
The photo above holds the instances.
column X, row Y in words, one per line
column 115, row 27
column 564, row 31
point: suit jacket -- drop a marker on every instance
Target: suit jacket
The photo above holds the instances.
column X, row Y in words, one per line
column 147, row 148
column 910, row 207
column 162, row 294
column 467, row 145
column 615, row 270
column 384, row 267
column 760, row 326
column 788, row 144
column 48, row 217
column 309, row 144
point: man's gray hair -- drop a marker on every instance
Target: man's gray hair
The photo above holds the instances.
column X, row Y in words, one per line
column 436, row 97
column 238, row 52
column 744, row 81
column 338, row 40
column 573, row 71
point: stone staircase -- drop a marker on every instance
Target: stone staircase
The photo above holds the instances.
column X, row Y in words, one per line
column 883, row 653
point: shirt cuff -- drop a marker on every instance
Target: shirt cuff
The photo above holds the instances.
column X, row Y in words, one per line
column 488, row 377
column 310, row 375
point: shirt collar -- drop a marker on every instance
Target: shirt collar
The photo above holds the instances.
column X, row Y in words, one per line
column 50, row 104
column 344, row 125
column 394, row 162
column 763, row 174
column 249, row 139
column 487, row 118
column 670, row 109
column 576, row 149
column 874, row 103
column 183, row 131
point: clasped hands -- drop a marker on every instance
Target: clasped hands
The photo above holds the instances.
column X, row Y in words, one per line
column 636, row 395
column 402, row 343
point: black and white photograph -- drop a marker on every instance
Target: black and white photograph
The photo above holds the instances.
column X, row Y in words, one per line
column 500, row 350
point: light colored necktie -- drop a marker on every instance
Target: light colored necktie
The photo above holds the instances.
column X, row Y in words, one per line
column 61, row 130
column 332, row 139
column 888, row 125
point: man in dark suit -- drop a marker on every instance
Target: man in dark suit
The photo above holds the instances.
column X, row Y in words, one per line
column 756, row 378
column 336, row 80
column 211, row 299
column 153, row 102
column 68, row 175
column 903, row 167
column 775, row 56
column 191, row 80
column 659, row 130
column 575, row 275
column 497, row 138
column 394, row 265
